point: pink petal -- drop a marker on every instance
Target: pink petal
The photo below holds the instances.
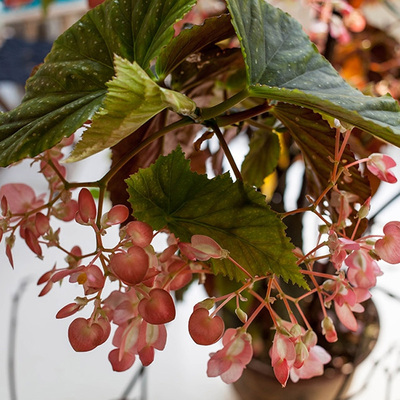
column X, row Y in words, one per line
column 20, row 197
column 346, row 316
column 379, row 165
column 233, row 373
column 388, row 248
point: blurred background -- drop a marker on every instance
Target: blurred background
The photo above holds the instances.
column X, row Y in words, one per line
column 36, row 360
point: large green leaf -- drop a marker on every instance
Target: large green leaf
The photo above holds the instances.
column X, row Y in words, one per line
column 132, row 99
column 71, row 84
column 283, row 64
column 168, row 194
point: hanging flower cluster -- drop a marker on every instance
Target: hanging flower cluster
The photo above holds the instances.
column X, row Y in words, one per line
column 142, row 303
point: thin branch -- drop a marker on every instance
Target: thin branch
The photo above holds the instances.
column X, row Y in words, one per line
column 214, row 126
column 12, row 338
column 132, row 383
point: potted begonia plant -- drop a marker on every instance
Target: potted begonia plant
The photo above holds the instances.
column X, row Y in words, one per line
column 156, row 92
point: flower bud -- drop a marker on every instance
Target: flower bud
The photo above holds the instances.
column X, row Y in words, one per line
column 208, row 304
column 241, row 315
column 328, row 329
column 301, row 354
column 310, row 339
column 296, row 330
column 364, row 210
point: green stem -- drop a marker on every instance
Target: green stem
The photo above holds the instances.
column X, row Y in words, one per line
column 212, row 112
column 243, row 115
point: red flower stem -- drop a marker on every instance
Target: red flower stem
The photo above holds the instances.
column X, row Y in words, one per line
column 322, row 195
column 230, row 296
column 319, row 215
column 320, row 274
column 240, row 267
column 344, row 144
column 221, row 298
column 254, row 315
column 264, row 303
column 301, row 260
column 221, row 306
column 373, row 237
column 339, row 150
column 302, row 297
column 355, row 229
column 303, row 316
column 97, row 255
column 356, row 163
column 318, row 288
column 297, row 211
column 49, row 161
column 285, row 301
column 96, row 305
column 141, row 291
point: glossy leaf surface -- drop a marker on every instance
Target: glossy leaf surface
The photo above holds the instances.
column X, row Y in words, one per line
column 283, row 64
column 71, row 84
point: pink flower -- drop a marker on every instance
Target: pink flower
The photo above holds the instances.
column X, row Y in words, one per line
column 126, row 337
column 313, row 365
column 342, row 201
column 345, row 301
column 345, row 314
column 91, row 277
column 339, row 248
column 202, row 248
column 150, row 337
column 379, row 165
column 20, row 197
column 388, row 248
column 233, row 358
column 363, row 269
column 283, row 356
column 121, row 307
column 117, row 215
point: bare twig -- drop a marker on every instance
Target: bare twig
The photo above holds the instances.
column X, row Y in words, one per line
column 138, row 374
column 12, row 338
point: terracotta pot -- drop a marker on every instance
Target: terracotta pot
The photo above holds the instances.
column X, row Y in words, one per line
column 259, row 383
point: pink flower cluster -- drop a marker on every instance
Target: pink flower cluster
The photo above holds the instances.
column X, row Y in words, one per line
column 142, row 302
column 295, row 353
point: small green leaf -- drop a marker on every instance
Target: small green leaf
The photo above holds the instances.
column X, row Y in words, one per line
column 71, row 84
column 132, row 99
column 191, row 41
column 168, row 194
column 283, row 64
column 262, row 157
